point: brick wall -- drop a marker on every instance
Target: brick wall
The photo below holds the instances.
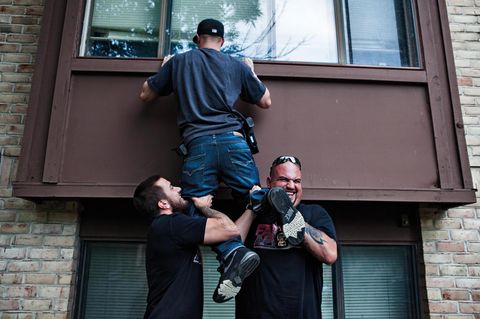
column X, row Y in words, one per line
column 37, row 242
column 452, row 238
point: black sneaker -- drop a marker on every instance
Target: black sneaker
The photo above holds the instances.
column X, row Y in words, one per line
column 293, row 224
column 238, row 266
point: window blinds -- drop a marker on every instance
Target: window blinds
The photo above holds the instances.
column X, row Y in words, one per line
column 128, row 16
column 378, row 282
column 327, row 293
column 115, row 281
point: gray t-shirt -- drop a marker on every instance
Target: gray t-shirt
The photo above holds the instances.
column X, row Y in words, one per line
column 207, row 84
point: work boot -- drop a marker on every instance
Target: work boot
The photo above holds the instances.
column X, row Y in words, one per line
column 234, row 269
column 292, row 221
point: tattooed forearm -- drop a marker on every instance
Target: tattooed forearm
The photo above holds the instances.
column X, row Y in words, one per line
column 208, row 212
column 315, row 234
column 212, row 213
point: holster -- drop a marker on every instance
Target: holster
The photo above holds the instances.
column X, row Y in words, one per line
column 250, row 134
column 181, row 150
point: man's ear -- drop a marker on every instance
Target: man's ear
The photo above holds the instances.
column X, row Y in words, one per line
column 223, row 41
column 163, row 204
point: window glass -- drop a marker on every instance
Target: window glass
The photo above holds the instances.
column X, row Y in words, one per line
column 369, row 32
column 121, row 28
column 378, row 282
column 115, row 284
column 282, row 30
column 380, row 32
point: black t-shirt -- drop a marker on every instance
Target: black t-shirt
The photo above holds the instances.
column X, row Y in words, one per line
column 207, row 84
column 288, row 283
column 174, row 270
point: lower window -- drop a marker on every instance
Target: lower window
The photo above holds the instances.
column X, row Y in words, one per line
column 114, row 282
column 367, row 282
column 378, row 282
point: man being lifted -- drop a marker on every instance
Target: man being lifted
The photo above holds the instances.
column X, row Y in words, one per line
column 207, row 84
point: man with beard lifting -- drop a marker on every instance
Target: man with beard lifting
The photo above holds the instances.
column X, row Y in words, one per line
column 173, row 262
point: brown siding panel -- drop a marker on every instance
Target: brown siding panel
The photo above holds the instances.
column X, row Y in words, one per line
column 351, row 134
column 110, row 130
column 348, row 134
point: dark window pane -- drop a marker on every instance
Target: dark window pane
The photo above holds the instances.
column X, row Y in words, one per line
column 380, row 32
column 122, row 48
column 115, row 281
column 378, row 282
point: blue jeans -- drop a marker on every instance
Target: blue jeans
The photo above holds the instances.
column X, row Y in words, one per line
column 219, row 157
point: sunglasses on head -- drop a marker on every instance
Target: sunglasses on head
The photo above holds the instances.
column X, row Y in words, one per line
column 286, row 158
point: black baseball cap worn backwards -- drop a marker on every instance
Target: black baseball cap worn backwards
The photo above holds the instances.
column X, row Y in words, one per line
column 210, row 27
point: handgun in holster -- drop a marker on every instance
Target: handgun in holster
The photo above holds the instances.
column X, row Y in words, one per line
column 181, row 150
column 250, row 135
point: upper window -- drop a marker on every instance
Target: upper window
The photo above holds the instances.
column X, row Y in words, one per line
column 366, row 32
column 380, row 32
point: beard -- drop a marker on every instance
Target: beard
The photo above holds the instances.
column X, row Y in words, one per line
column 179, row 204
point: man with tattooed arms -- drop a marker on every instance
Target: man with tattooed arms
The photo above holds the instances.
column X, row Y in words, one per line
column 293, row 240
column 173, row 261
